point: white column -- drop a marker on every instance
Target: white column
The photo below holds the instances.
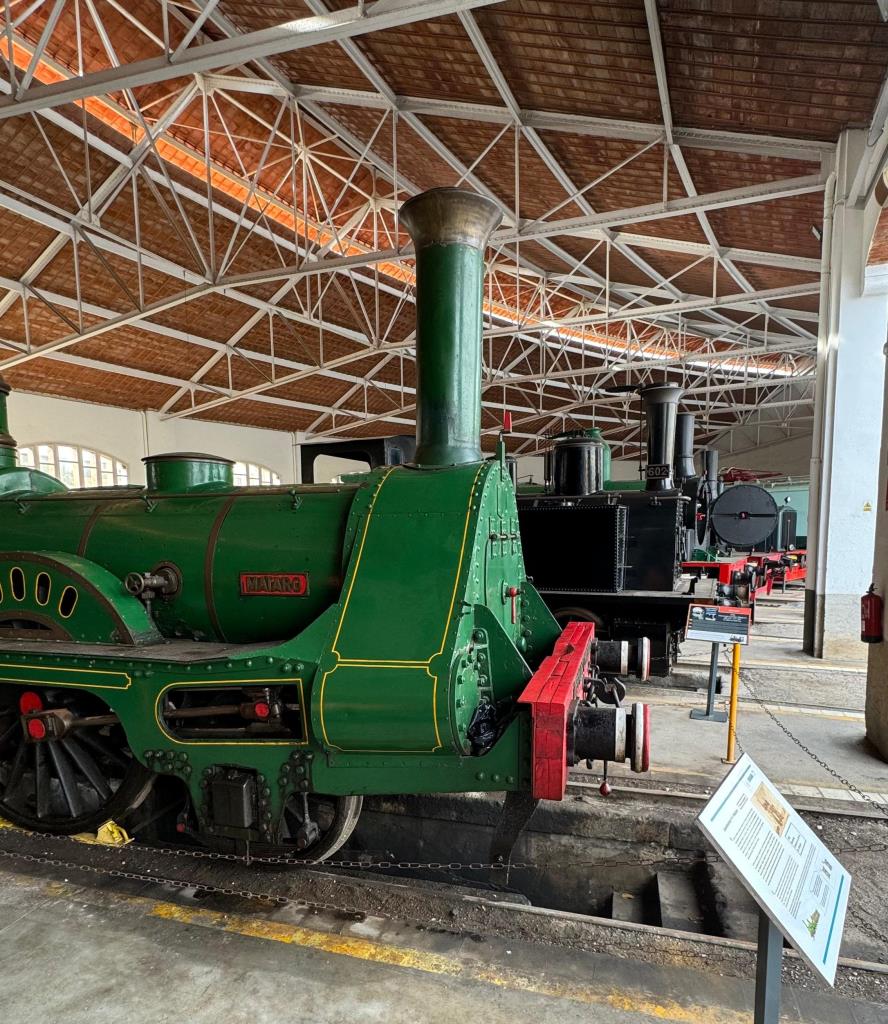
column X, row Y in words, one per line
column 298, row 438
column 877, row 669
column 848, row 424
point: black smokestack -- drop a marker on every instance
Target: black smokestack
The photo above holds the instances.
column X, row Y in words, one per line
column 683, row 462
column 710, row 472
column 660, row 409
column 577, row 465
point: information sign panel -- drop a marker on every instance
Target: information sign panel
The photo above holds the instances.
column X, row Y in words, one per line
column 718, row 624
column 793, row 877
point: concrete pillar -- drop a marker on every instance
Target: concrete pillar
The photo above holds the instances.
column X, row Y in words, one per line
column 877, row 667
column 847, row 425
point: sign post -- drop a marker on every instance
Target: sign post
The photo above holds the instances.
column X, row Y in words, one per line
column 732, row 713
column 800, row 887
column 768, row 968
column 718, row 625
column 710, row 714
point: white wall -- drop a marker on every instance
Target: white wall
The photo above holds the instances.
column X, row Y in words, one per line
column 129, row 435
column 328, row 468
column 531, row 468
column 624, row 469
column 791, row 457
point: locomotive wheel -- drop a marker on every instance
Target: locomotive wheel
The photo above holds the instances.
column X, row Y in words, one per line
column 334, row 816
column 564, row 615
column 71, row 784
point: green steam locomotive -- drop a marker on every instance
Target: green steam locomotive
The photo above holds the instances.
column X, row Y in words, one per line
column 283, row 651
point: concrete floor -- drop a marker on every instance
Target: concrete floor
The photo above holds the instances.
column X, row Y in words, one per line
column 78, row 954
column 821, row 703
column 91, row 953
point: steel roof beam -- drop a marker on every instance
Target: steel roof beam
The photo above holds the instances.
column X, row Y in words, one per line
column 784, row 147
column 101, row 197
column 161, row 378
column 558, row 172
column 300, row 370
column 740, row 300
column 744, row 196
column 436, row 145
column 805, row 315
column 191, row 338
column 759, row 257
column 498, row 381
column 232, row 286
column 432, row 140
column 379, row 83
column 533, row 415
column 674, row 149
column 292, row 35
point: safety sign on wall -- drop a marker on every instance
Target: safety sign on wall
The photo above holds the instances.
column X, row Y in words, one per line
column 793, row 877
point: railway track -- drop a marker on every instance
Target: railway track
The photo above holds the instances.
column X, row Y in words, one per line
column 685, row 793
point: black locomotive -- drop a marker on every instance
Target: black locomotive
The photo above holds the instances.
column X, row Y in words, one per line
column 612, row 555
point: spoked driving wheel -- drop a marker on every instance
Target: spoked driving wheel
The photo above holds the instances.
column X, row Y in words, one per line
column 64, row 762
column 314, row 827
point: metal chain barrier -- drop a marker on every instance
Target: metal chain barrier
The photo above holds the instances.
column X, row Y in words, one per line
column 248, row 860
column 828, row 768
column 863, row 923
column 868, row 927
column 276, row 900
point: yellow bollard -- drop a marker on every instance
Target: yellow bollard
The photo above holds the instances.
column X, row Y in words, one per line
column 732, row 713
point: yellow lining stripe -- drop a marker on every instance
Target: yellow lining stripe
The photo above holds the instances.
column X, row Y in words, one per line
column 351, row 584
column 76, row 594
column 84, row 672
column 42, row 572
column 239, row 683
column 462, row 552
column 370, row 663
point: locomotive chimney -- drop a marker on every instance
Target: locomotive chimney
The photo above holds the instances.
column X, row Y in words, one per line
column 660, row 409
column 7, row 444
column 450, row 228
column 683, row 463
column 710, row 472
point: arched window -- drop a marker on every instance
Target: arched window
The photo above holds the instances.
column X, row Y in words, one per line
column 75, row 466
column 248, row 474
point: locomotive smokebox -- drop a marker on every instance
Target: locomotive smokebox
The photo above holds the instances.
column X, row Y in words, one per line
column 660, row 410
column 450, row 228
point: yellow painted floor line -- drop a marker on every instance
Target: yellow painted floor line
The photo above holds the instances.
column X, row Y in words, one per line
column 436, row 963
column 646, row 1005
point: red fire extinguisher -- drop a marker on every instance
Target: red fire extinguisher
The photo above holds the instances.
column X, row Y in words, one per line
column 871, row 617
